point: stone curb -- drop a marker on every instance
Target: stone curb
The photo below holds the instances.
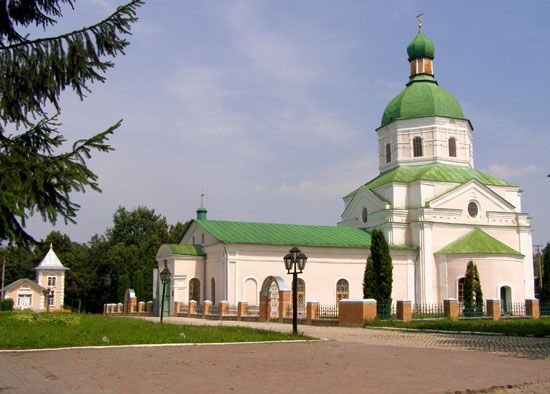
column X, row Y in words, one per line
column 145, row 345
column 438, row 331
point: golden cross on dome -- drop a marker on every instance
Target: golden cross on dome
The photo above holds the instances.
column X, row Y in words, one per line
column 419, row 16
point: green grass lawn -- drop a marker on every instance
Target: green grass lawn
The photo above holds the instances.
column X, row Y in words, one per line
column 27, row 330
column 521, row 327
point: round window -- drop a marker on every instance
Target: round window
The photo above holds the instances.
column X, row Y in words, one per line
column 473, row 209
column 365, row 215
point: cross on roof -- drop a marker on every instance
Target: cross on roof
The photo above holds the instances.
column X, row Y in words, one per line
column 419, row 16
column 202, row 198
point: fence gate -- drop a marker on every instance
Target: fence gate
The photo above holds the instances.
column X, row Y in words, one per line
column 274, row 300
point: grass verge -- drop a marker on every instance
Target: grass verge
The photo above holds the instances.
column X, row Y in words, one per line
column 520, row 327
column 27, row 330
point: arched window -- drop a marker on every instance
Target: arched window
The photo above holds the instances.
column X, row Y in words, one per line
column 388, row 153
column 213, row 290
column 460, row 290
column 417, row 147
column 342, row 290
column 301, row 292
column 452, row 147
column 51, row 280
column 195, row 290
column 202, row 243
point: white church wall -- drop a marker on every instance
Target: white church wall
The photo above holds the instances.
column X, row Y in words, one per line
column 215, row 268
column 325, row 266
column 184, row 268
column 494, row 272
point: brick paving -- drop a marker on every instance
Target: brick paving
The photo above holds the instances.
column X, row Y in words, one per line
column 536, row 348
column 354, row 360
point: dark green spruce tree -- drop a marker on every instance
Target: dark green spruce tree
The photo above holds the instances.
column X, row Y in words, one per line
column 545, row 290
column 469, row 290
column 369, row 281
column 382, row 271
column 478, row 294
column 36, row 176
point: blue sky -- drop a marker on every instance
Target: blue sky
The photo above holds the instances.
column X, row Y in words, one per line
column 271, row 106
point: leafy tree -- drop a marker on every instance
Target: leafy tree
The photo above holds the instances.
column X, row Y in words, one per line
column 176, row 232
column 545, row 290
column 34, row 176
column 123, row 285
column 381, row 275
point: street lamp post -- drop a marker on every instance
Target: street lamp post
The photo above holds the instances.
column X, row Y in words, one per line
column 295, row 262
column 164, row 278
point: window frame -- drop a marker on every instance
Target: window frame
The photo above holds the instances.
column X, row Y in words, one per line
column 388, row 153
column 341, row 292
column 452, row 146
column 418, row 147
column 472, row 203
column 51, row 280
column 460, row 289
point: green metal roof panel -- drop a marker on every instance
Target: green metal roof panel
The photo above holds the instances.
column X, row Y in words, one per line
column 422, row 97
column 286, row 234
column 478, row 242
column 186, row 250
column 421, row 46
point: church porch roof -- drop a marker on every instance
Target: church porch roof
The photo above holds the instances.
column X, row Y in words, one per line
column 477, row 241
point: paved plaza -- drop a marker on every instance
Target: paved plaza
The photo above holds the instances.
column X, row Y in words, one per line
column 351, row 360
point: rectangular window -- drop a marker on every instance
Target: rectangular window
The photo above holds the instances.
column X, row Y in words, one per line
column 50, row 299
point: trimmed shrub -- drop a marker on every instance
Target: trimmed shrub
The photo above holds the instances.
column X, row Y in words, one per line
column 6, row 305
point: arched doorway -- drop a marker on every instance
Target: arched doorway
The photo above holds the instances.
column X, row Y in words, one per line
column 505, row 299
column 195, row 290
column 269, row 297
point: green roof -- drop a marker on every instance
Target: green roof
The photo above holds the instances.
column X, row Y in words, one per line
column 421, row 46
column 186, row 250
column 432, row 172
column 422, row 97
column 286, row 234
column 477, row 242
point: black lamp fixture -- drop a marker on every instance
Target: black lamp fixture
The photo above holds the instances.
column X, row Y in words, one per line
column 165, row 275
column 295, row 262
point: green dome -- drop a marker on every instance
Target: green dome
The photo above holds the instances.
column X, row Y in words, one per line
column 421, row 47
column 422, row 97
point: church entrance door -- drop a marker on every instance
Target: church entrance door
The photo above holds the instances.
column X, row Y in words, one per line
column 505, row 299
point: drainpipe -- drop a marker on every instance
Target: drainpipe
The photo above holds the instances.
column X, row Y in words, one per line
column 225, row 273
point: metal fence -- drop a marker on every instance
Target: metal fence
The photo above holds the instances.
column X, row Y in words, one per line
column 512, row 309
column 302, row 311
column 428, row 311
column 385, row 311
column 327, row 312
column 545, row 308
column 253, row 310
column 473, row 311
column 233, row 310
column 215, row 310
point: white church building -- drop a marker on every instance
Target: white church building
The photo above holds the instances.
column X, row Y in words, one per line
column 435, row 209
